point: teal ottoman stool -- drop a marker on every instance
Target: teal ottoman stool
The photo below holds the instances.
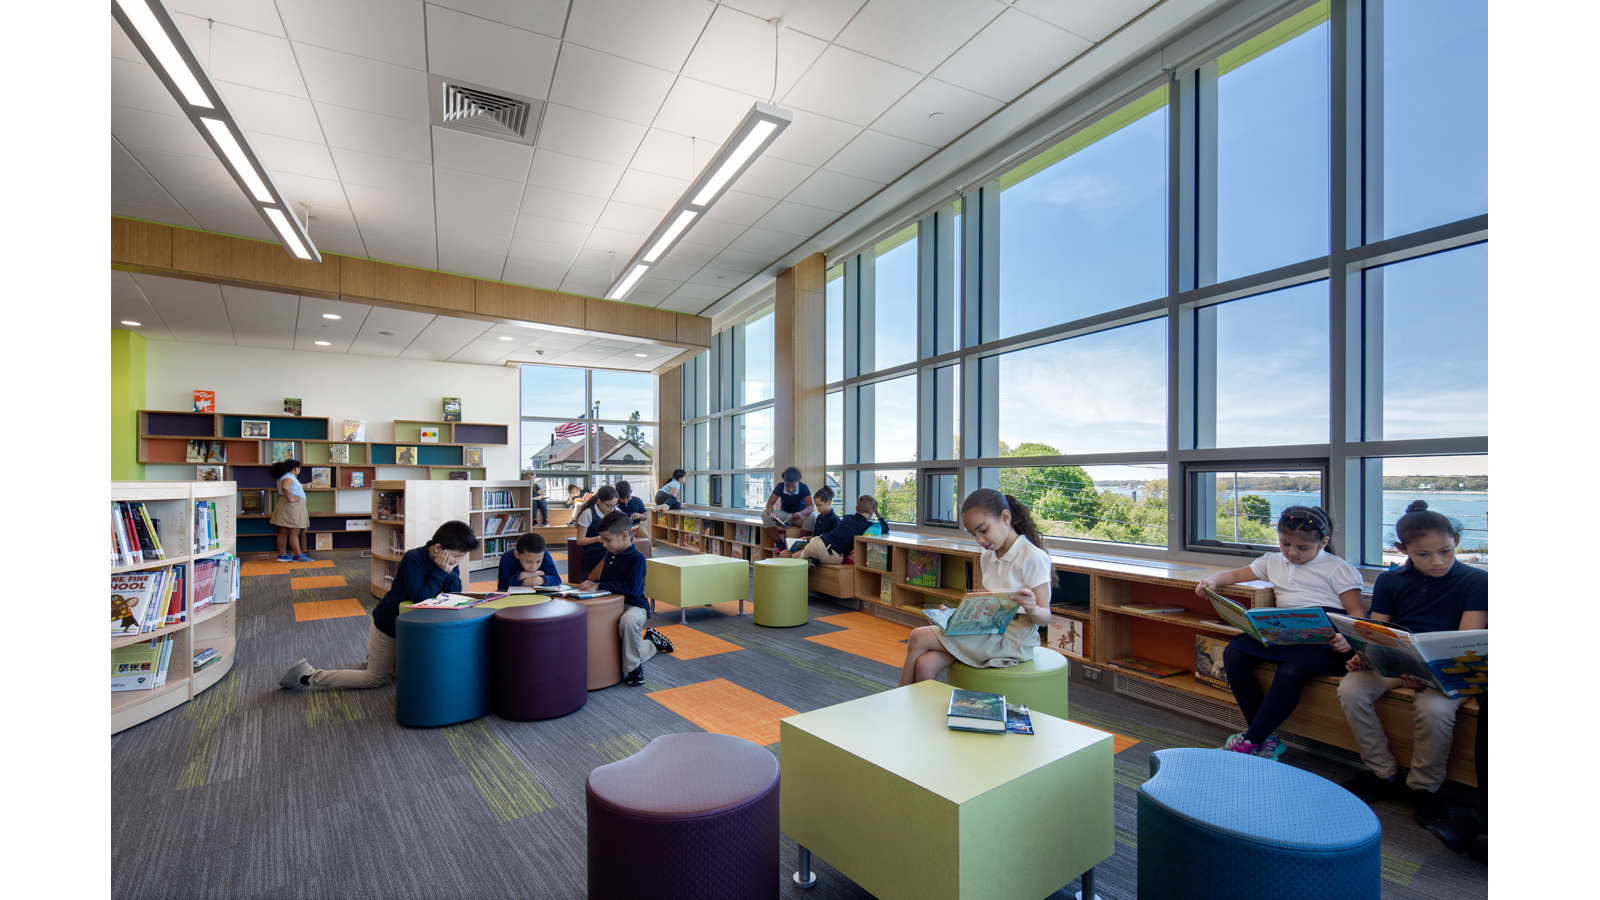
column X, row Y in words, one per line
column 780, row 594
column 1039, row 684
column 1213, row 823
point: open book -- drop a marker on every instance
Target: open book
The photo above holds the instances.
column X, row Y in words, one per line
column 458, row 601
column 1274, row 626
column 795, row 543
column 1455, row 662
column 979, row 613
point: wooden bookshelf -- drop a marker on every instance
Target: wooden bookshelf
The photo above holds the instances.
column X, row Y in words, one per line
column 171, row 506
column 504, row 501
column 425, row 504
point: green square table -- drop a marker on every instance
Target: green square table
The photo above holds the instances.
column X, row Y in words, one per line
column 907, row 807
column 686, row 581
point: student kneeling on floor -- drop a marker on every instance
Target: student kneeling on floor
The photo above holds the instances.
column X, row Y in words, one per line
column 622, row 572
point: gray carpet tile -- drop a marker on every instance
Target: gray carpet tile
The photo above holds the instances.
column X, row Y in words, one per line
column 290, row 794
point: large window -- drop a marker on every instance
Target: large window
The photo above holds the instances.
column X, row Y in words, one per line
column 728, row 427
column 587, row 427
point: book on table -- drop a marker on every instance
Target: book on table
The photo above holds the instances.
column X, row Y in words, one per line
column 460, row 600
column 1019, row 720
column 979, row 613
column 1275, row 626
column 1453, row 662
column 976, row 711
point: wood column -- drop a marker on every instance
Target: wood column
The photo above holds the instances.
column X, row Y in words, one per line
column 800, row 407
column 669, row 431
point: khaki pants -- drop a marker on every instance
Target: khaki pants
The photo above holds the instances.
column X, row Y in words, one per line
column 817, row 550
column 380, row 665
column 1433, row 714
column 636, row 651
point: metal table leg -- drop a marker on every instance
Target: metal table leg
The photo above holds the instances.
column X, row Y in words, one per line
column 803, row 876
column 1087, row 884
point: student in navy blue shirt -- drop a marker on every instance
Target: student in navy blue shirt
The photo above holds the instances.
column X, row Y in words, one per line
column 528, row 565
column 1431, row 592
column 426, row 571
column 628, row 503
column 832, row 546
column 826, row 519
column 622, row 572
column 793, row 500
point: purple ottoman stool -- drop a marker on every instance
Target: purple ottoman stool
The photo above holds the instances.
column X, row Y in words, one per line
column 689, row 817
column 539, row 660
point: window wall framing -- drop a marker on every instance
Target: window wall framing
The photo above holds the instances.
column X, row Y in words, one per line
column 591, row 475
column 717, row 374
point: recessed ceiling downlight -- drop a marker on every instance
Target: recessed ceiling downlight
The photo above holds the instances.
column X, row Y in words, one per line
column 331, row 316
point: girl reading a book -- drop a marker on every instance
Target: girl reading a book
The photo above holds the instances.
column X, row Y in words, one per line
column 587, row 521
column 1433, row 591
column 289, row 514
column 1304, row 572
column 1013, row 562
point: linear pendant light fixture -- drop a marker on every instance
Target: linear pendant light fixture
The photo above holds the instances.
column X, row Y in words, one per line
column 761, row 126
column 151, row 27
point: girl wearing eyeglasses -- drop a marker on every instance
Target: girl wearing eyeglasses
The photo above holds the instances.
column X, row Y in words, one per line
column 1304, row 572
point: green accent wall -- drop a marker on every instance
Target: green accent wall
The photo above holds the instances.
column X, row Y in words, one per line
column 127, row 398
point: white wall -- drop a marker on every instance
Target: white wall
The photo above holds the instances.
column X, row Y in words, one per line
column 337, row 386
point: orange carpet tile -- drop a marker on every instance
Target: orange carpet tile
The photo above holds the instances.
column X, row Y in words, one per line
column 722, row 707
column 690, row 644
column 865, row 645
column 731, row 607
column 867, row 623
column 328, row 609
column 1118, row 742
column 316, row 581
column 478, row 586
column 273, row 567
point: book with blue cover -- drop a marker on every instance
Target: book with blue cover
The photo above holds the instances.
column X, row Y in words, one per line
column 979, row 613
column 1275, row 626
column 976, row 711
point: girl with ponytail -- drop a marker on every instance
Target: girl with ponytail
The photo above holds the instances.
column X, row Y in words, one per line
column 1013, row 562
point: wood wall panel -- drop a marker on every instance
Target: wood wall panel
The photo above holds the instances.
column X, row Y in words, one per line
column 799, row 332
column 669, row 430
column 256, row 263
column 139, row 243
column 630, row 318
column 366, row 279
column 513, row 301
column 694, row 330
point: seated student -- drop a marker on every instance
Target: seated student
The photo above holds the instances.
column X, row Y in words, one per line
column 587, row 521
column 622, row 572
column 528, row 565
column 541, row 504
column 832, row 546
column 576, row 496
column 667, row 497
column 426, row 571
column 628, row 503
column 793, row 500
column 826, row 519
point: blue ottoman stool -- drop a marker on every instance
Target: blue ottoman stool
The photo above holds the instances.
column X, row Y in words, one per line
column 1213, row 823
column 441, row 663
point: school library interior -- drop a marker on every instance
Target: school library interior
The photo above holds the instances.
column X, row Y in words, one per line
column 863, row 448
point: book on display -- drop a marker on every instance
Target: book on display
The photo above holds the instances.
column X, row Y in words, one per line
column 976, row 711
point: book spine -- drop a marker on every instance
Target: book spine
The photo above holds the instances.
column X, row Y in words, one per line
column 148, row 537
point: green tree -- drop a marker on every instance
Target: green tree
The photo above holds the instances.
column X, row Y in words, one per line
column 632, row 432
column 1064, row 494
column 1256, row 509
column 896, row 502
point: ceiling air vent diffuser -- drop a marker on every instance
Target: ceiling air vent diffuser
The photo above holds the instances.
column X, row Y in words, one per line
column 461, row 106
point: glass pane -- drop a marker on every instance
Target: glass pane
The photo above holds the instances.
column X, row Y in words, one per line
column 625, row 395
column 1100, row 393
column 897, row 495
column 1083, row 227
column 835, row 428
column 894, row 419
column 547, row 449
column 553, row 391
column 895, row 296
column 696, row 490
column 702, row 385
column 752, row 489
column 1434, row 80
column 942, row 500
column 955, row 308
column 1435, row 319
column 1457, row 486
column 1121, row 504
column 947, row 402
column 1272, row 147
column 753, row 440
column 624, row 453
column 833, row 297
column 755, row 382
column 702, row 447
column 1243, row 507
column 1272, row 368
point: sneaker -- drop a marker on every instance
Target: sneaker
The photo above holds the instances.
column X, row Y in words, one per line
column 1368, row 786
column 634, row 678
column 303, row 558
column 1232, row 741
column 1427, row 807
column 662, row 642
column 294, row 679
column 1457, row 831
column 287, row 557
column 1241, row 745
column 1271, row 748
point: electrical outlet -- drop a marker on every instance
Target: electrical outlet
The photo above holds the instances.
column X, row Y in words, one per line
column 1090, row 674
column 366, row 553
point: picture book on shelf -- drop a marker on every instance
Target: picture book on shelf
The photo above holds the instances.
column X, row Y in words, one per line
column 1208, row 661
column 355, row 430
column 135, row 598
column 886, row 590
column 252, row 502
column 1274, row 626
column 136, row 666
column 458, row 475
column 207, row 473
column 922, row 568
column 878, row 557
column 358, row 479
column 322, row 476
column 1454, row 662
column 282, row 451
column 1146, row 666
column 976, row 711
column 390, row 506
column 979, row 613
column 1066, row 635
column 430, row 435
column 405, row 456
column 339, row 454
column 324, row 540
column 255, row 428
column 474, row 456
column 204, row 452
column 205, row 401
column 291, row 406
column 452, row 409
column 741, row 533
column 1153, row 608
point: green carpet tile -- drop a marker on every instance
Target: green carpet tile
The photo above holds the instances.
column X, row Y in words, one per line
column 266, row 793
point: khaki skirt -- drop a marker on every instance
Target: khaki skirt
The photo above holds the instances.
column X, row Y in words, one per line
column 290, row 515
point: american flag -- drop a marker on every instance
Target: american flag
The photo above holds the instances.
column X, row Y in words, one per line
column 569, row 430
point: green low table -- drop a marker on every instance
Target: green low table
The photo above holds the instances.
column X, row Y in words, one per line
column 686, row 581
column 781, row 586
column 908, row 808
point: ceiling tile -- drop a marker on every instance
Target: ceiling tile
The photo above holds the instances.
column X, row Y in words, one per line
column 771, row 177
column 623, row 243
column 387, row 172
column 199, row 201
column 250, row 58
column 713, row 232
column 554, row 231
column 672, row 271
column 917, row 34
column 674, row 155
column 375, row 206
column 659, row 33
column 630, row 218
column 565, row 205
column 832, row 190
column 489, row 54
column 1032, row 51
column 1091, row 19
column 481, row 155
column 770, row 243
column 546, row 17
column 811, row 139
column 389, row 31
column 173, row 134
column 740, row 208
column 270, row 112
column 317, row 193
column 166, row 211
column 796, row 218
column 850, row 86
column 715, row 277
column 261, row 318
column 472, row 264
column 585, row 134
column 685, row 304
column 390, row 229
column 328, row 218
column 531, row 250
column 913, row 116
column 545, row 275
column 819, row 18
column 175, row 168
column 480, row 190
column 648, row 189
column 601, row 259
column 698, row 109
column 121, row 47
column 379, row 135
column 705, row 292
column 571, row 173
column 348, row 244
column 136, row 85
column 879, row 157
column 281, row 154
column 359, row 83
column 452, row 213
column 256, row 15
column 692, row 253
column 609, row 85
column 736, row 52
column 144, row 190
column 485, row 242
column 742, row 261
column 588, row 282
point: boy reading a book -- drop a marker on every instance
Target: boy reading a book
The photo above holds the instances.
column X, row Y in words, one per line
column 424, row 572
column 622, row 572
column 789, row 503
column 831, row 547
column 528, row 565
